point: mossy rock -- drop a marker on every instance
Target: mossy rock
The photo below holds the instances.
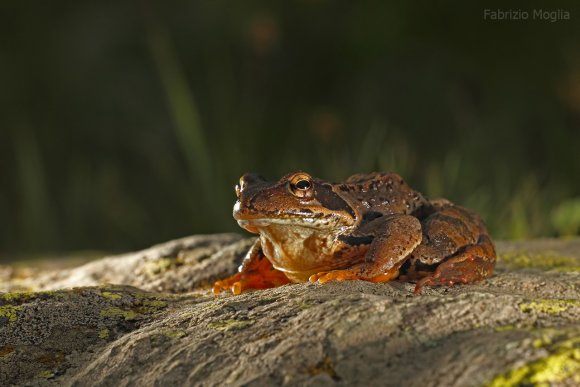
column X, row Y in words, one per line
column 519, row 327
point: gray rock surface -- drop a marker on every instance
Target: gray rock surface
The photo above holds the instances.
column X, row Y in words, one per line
column 160, row 325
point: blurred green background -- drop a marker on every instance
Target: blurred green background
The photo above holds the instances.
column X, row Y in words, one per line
column 124, row 124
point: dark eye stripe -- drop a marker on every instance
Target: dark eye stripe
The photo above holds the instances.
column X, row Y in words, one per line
column 331, row 200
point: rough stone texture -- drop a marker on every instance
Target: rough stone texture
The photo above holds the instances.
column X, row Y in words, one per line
column 177, row 266
column 163, row 327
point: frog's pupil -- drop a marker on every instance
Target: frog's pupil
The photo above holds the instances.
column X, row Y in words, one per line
column 303, row 184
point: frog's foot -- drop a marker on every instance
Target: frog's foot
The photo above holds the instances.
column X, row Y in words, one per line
column 231, row 283
column 473, row 264
column 260, row 275
column 334, row 275
column 351, row 274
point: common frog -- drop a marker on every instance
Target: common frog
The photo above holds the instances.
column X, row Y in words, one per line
column 372, row 227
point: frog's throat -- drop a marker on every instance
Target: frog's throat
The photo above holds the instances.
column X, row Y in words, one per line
column 301, row 251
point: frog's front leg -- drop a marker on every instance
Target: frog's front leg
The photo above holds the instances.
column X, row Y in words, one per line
column 255, row 272
column 395, row 238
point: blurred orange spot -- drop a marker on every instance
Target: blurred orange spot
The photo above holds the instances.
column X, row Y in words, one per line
column 569, row 90
column 263, row 33
column 325, row 125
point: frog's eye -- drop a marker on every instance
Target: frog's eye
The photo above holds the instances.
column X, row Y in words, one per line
column 301, row 186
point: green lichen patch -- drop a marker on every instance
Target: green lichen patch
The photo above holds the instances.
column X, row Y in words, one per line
column 143, row 304
column 16, row 296
column 561, row 338
column 546, row 260
column 24, row 296
column 47, row 374
column 166, row 336
column 117, row 312
column 549, row 306
column 174, row 333
column 154, row 304
column 111, row 295
column 562, row 364
column 150, row 306
column 159, row 266
column 228, row 325
column 9, row 312
column 149, row 302
column 104, row 333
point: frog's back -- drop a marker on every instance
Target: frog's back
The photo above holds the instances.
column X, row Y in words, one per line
column 382, row 193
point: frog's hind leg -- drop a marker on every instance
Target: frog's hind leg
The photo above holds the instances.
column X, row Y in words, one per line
column 473, row 263
column 445, row 232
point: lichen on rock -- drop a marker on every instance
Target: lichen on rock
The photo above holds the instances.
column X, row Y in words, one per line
column 561, row 364
column 161, row 324
column 9, row 312
column 550, row 306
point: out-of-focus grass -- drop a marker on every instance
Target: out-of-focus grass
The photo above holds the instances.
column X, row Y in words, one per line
column 37, row 224
column 566, row 217
column 137, row 132
column 181, row 104
column 512, row 208
column 187, row 125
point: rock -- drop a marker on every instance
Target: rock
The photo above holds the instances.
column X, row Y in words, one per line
column 160, row 325
column 177, row 266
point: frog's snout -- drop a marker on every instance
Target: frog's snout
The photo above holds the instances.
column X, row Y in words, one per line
column 248, row 179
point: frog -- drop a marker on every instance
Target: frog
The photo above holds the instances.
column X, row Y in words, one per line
column 372, row 227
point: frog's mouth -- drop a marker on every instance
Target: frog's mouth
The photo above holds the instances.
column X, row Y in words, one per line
column 254, row 225
column 251, row 226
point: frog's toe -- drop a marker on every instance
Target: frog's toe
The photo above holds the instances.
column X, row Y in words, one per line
column 218, row 287
column 426, row 281
column 319, row 277
column 232, row 284
column 236, row 287
column 335, row 275
column 315, row 277
column 240, row 282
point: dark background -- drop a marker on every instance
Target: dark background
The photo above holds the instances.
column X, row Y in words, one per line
column 124, row 124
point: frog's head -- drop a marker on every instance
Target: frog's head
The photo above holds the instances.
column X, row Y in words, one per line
column 296, row 199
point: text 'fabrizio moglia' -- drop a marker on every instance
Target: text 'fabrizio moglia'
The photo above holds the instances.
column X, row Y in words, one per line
column 520, row 14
